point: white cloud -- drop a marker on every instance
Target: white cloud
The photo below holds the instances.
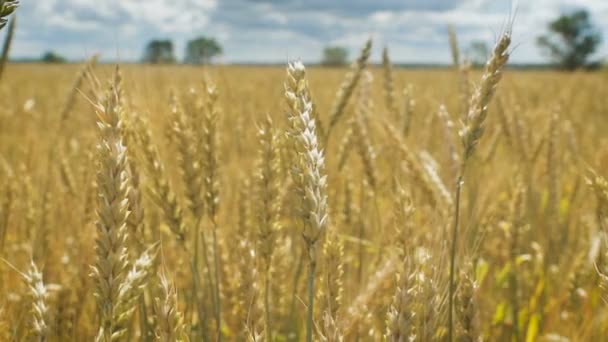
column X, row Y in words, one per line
column 272, row 30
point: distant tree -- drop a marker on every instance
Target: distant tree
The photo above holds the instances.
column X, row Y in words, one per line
column 334, row 56
column 572, row 39
column 159, row 51
column 52, row 57
column 478, row 52
column 202, row 50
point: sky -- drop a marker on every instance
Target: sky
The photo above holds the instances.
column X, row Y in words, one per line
column 274, row 31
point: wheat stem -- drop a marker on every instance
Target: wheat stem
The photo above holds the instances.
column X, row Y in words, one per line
column 454, row 237
column 311, row 298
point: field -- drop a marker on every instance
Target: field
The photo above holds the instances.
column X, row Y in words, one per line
column 189, row 203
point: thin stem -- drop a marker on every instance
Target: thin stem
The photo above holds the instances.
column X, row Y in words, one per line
column 361, row 236
column 267, row 304
column 513, row 281
column 197, row 227
column 144, row 325
column 199, row 239
column 311, row 298
column 194, row 266
column 296, row 282
column 208, row 266
column 453, row 252
column 218, row 308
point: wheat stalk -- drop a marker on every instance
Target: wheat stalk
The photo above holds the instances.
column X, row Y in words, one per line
column 6, row 47
column 209, row 167
column 347, row 87
column 333, row 254
column 402, row 221
column 183, row 136
column 424, row 175
column 170, row 321
column 474, row 122
column 40, row 310
column 449, row 140
column 6, row 204
column 400, row 322
column 310, row 174
column 161, row 191
column 135, row 221
column 466, row 306
column 116, row 287
column 111, row 264
column 389, row 85
column 84, row 73
column 268, row 208
column 463, row 68
column 409, row 104
column 517, row 212
column 471, row 132
column 360, row 133
column 600, row 188
column 359, row 306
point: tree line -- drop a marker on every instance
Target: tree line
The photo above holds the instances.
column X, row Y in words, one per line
column 570, row 42
column 200, row 50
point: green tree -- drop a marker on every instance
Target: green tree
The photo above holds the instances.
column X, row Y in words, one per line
column 334, row 56
column 159, row 51
column 201, row 50
column 571, row 40
column 52, row 57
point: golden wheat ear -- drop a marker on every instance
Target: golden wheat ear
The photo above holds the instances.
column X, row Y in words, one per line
column 111, row 265
column 268, row 209
column 389, row 85
column 347, row 88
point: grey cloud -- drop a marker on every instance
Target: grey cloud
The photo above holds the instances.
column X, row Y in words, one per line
column 359, row 8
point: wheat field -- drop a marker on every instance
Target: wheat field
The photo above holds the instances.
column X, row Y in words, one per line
column 180, row 203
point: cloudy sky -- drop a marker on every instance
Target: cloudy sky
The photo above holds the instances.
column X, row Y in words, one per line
column 277, row 30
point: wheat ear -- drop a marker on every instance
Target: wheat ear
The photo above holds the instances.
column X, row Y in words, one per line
column 400, row 322
column 7, row 7
column 183, row 136
column 160, row 191
column 113, row 187
column 463, row 68
column 409, row 105
column 389, row 85
column 40, row 309
column 116, row 287
column 361, row 136
column 170, row 320
column 466, row 306
column 267, row 179
column 347, row 87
